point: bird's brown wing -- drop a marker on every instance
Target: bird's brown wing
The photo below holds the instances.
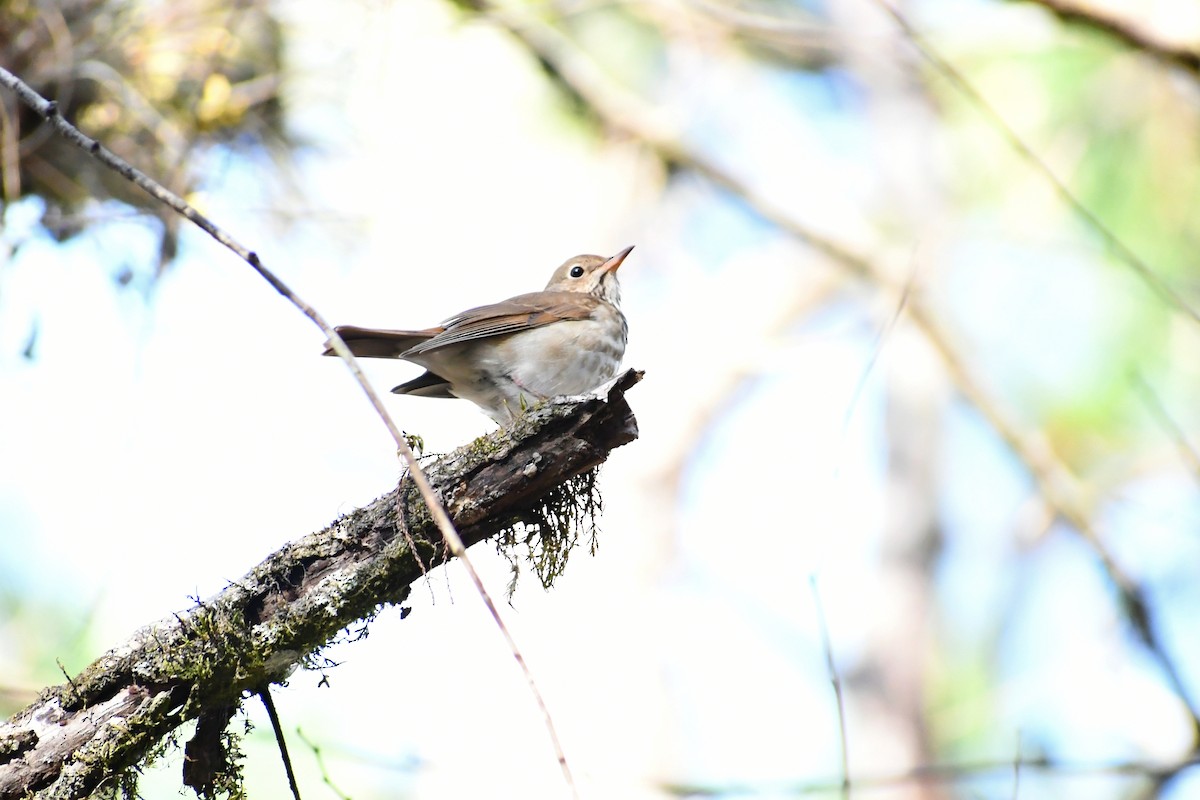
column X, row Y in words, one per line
column 379, row 342
column 519, row 313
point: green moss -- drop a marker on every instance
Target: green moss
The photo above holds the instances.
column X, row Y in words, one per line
column 140, row 731
column 219, row 651
column 230, row 782
column 123, row 785
column 215, row 653
column 490, row 447
column 417, row 516
column 545, row 535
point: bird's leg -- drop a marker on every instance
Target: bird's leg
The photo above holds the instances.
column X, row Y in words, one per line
column 525, row 390
column 525, row 399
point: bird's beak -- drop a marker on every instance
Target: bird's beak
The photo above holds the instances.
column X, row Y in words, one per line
column 614, row 262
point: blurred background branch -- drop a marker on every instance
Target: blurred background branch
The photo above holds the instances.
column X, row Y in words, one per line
column 974, row 423
column 160, row 85
column 1125, row 29
column 1056, row 485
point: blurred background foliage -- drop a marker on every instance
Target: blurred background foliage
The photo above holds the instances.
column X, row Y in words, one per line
column 156, row 82
column 883, row 348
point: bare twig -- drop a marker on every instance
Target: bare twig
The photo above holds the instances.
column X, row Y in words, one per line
column 1163, row 417
column 1124, row 31
column 264, row 694
column 48, row 110
column 836, row 681
column 1016, row 792
column 10, row 172
column 877, row 345
column 320, row 759
column 67, row 675
column 948, row 773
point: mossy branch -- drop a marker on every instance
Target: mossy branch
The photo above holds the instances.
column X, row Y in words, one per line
column 82, row 736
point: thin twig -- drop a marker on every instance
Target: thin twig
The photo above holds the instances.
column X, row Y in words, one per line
column 10, row 173
column 1016, row 792
column 264, row 694
column 48, row 110
column 1152, row 279
column 412, row 545
column 67, row 675
column 1167, row 422
column 946, row 773
column 320, row 759
column 877, row 346
column 836, row 681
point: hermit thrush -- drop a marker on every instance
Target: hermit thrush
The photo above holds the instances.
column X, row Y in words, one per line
column 566, row 339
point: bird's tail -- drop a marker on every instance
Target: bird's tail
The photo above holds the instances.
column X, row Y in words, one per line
column 378, row 342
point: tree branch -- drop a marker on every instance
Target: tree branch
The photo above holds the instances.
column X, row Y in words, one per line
column 80, row 736
column 1124, row 31
column 50, row 112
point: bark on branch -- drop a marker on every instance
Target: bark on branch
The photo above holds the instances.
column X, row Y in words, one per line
column 78, row 737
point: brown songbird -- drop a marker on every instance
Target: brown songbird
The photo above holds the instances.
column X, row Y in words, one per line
column 564, row 340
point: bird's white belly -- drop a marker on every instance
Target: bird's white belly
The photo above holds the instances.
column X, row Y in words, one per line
column 511, row 373
column 564, row 358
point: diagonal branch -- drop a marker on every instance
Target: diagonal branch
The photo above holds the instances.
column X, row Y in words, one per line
column 78, row 736
column 49, row 111
column 1124, row 31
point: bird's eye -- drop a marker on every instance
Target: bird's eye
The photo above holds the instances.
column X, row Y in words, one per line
column 576, row 271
